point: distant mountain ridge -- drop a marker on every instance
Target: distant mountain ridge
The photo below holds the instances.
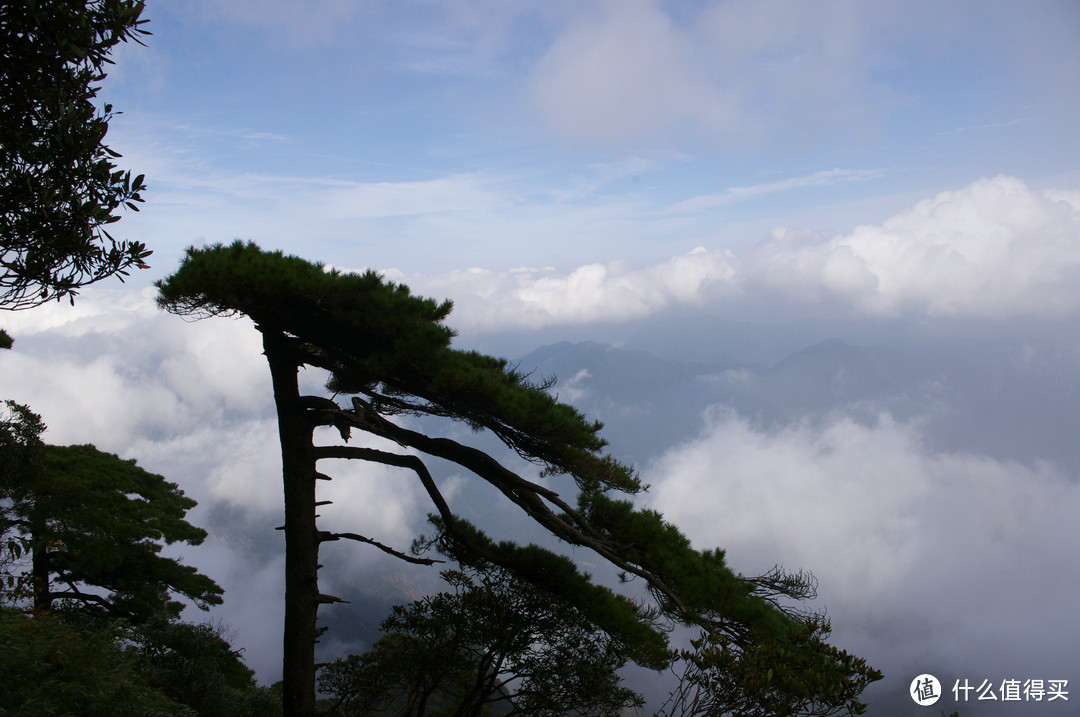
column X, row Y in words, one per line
column 972, row 396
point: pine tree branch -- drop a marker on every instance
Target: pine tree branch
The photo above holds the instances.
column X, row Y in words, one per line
column 570, row 526
column 392, row 459
column 325, row 536
column 77, row 594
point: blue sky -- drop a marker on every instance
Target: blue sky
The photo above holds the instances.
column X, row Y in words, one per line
column 432, row 137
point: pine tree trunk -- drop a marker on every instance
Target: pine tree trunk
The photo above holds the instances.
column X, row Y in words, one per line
column 39, row 565
column 301, row 534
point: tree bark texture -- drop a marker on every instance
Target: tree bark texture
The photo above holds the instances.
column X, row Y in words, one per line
column 40, row 566
column 301, row 533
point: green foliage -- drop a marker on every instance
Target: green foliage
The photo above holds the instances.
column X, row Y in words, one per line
column 493, row 639
column 375, row 326
column 196, row 666
column 111, row 519
column 800, row 675
column 67, row 663
column 401, row 675
column 59, row 188
column 21, row 449
column 700, row 587
column 92, row 519
column 22, row 456
column 622, row 620
column 51, row 667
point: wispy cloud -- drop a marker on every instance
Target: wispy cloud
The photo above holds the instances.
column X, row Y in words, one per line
column 731, row 73
column 824, row 178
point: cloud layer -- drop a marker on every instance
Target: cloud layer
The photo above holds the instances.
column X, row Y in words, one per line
column 899, row 535
column 731, row 73
column 531, row 298
column 993, row 249
column 926, row 560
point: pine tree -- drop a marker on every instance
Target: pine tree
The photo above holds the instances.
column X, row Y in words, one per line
column 92, row 522
column 390, row 353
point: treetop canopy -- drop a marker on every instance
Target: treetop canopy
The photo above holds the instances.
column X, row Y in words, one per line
column 377, row 339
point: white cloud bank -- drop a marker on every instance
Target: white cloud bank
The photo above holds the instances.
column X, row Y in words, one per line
column 993, row 249
column 532, row 298
column 114, row 369
column 923, row 558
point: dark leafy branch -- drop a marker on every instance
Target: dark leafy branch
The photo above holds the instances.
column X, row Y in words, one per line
column 59, row 186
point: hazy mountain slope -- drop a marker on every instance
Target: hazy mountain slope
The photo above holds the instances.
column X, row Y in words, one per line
column 1005, row 399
